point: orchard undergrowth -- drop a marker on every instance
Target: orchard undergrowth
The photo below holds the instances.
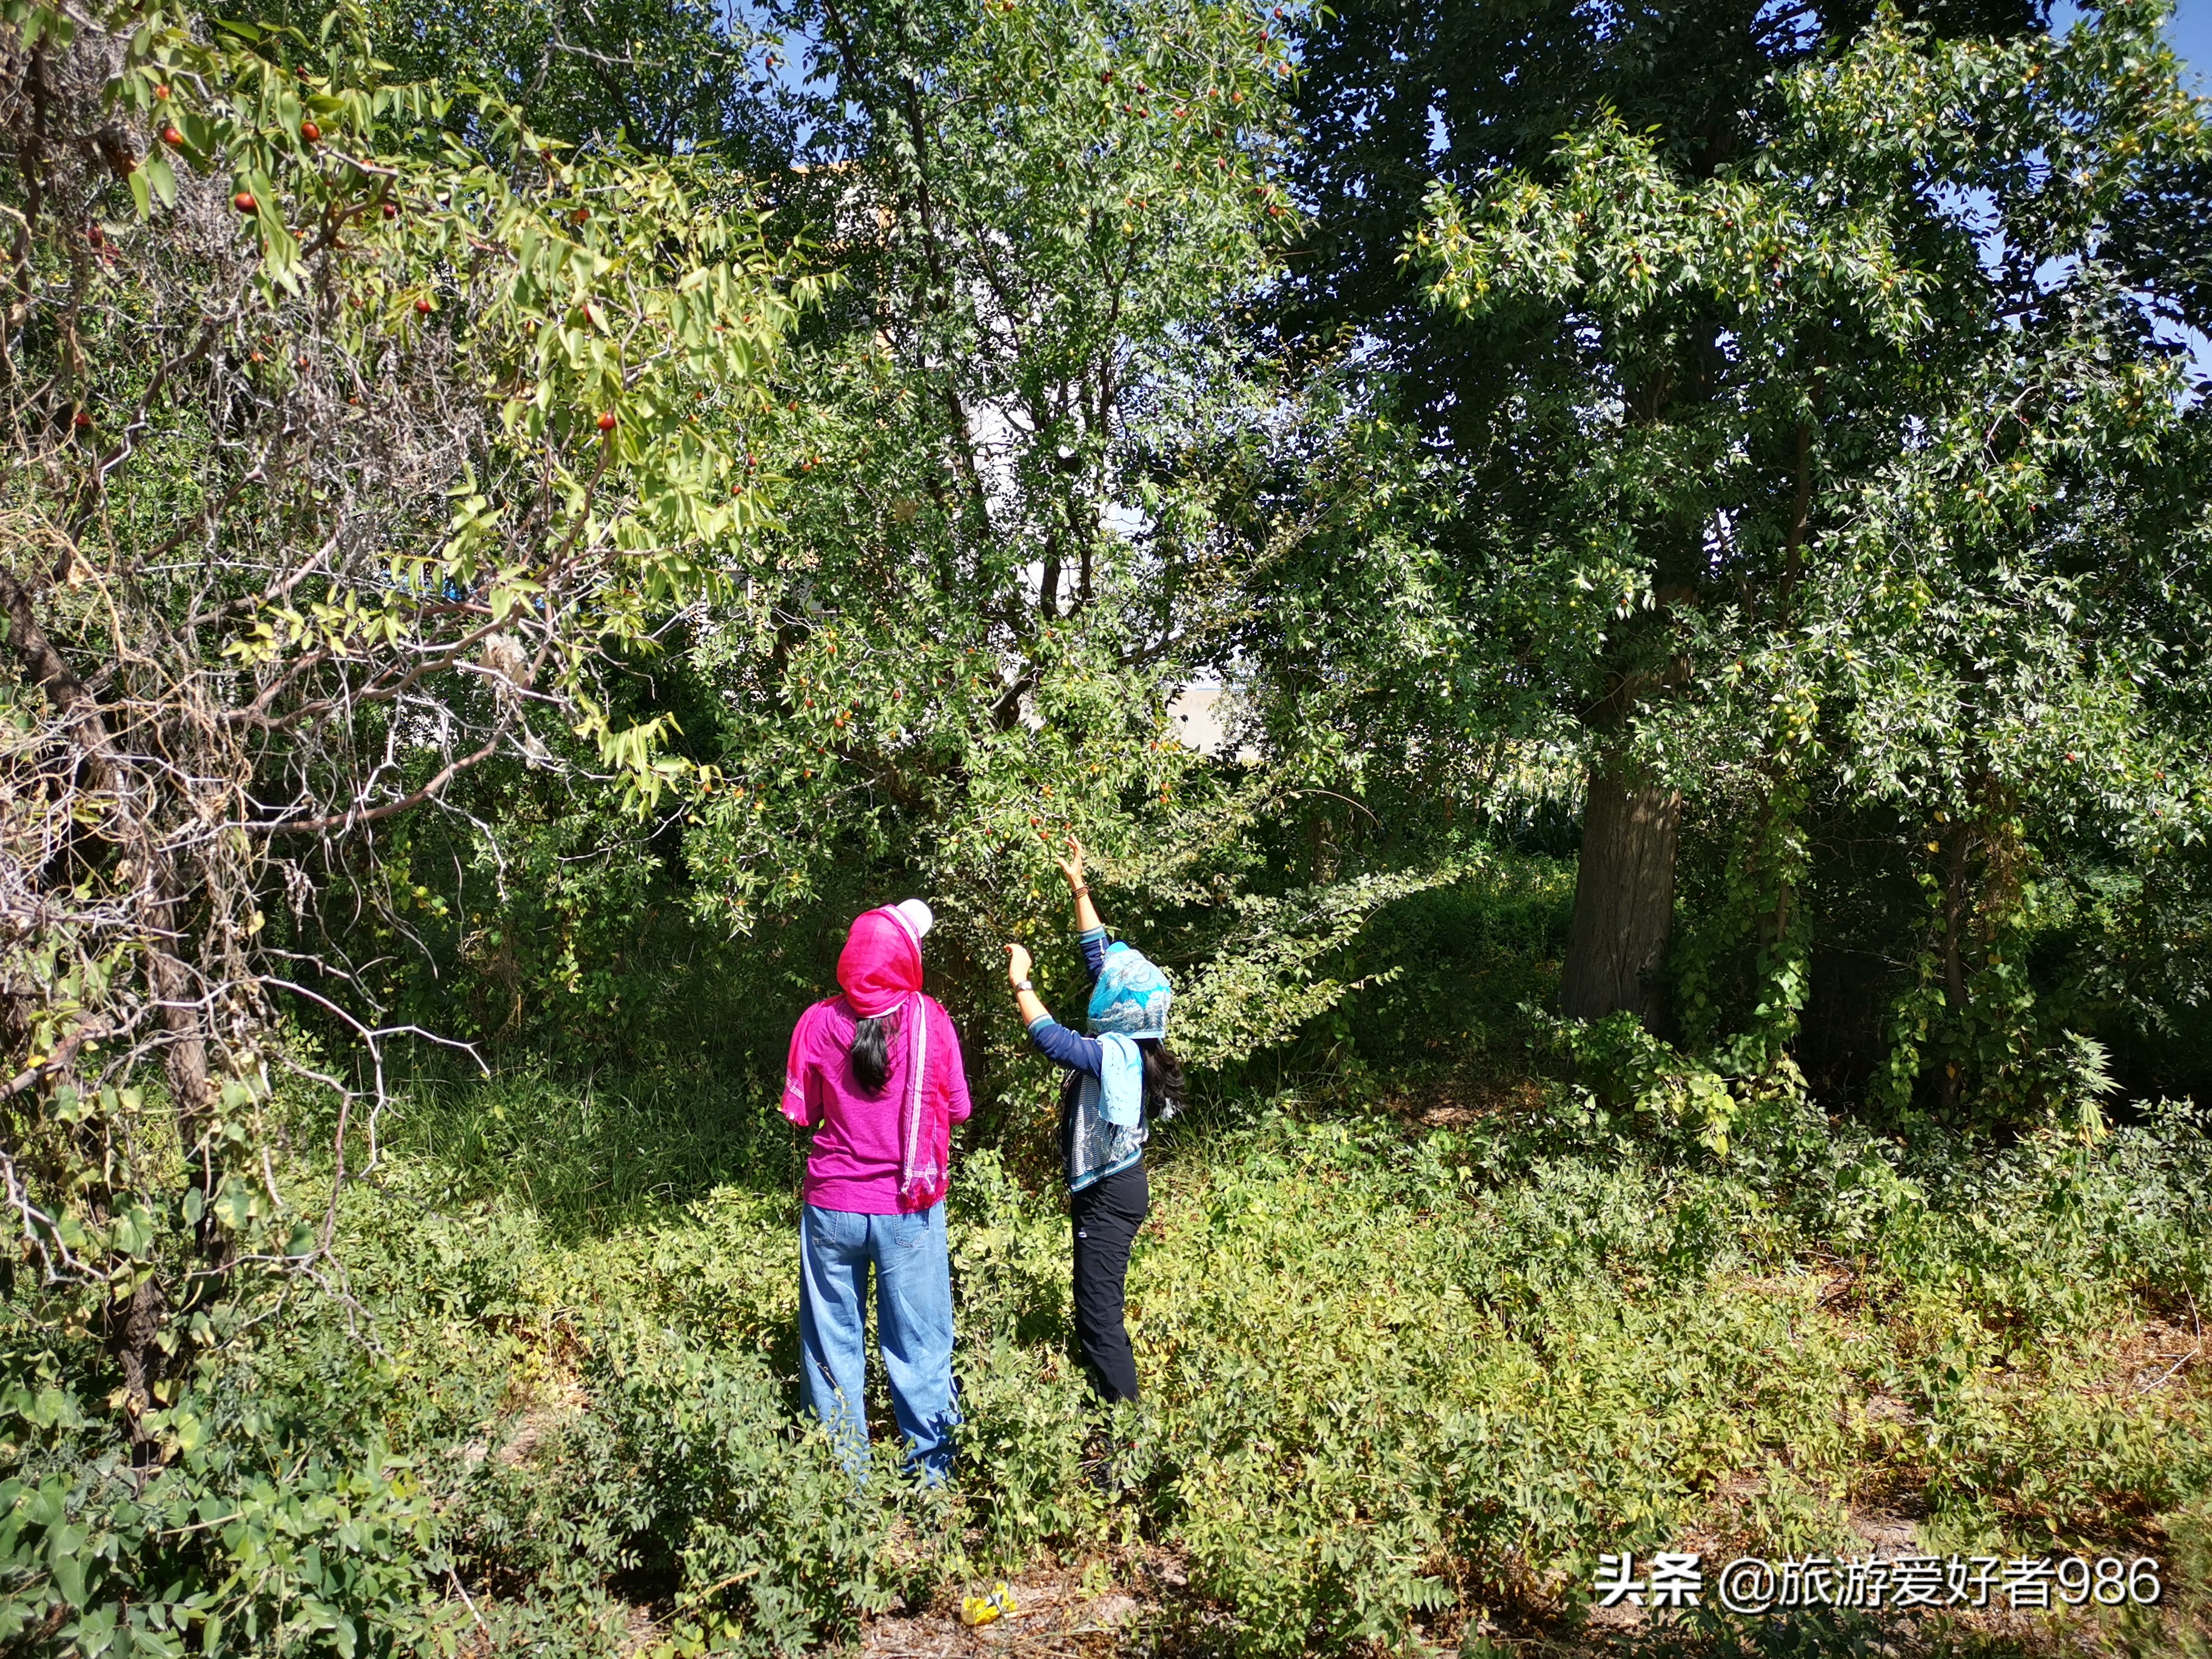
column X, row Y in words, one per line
column 1404, row 1384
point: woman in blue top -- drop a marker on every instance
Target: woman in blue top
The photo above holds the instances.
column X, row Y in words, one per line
column 1120, row 1079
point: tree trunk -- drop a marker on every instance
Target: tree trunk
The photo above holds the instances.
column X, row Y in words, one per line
column 1623, row 901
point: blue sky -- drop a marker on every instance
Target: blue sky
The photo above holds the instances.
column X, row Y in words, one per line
column 2191, row 34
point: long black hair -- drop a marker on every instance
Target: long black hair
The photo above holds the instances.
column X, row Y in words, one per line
column 1164, row 1084
column 1163, row 1077
column 872, row 1054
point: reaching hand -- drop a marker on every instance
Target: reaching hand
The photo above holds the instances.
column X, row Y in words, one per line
column 1017, row 964
column 1071, row 866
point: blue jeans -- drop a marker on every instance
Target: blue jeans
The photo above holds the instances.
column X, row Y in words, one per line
column 913, row 1327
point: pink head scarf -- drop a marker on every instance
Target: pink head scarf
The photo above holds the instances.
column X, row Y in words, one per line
column 880, row 966
column 879, row 970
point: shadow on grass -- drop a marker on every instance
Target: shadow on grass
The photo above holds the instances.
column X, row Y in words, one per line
column 592, row 1156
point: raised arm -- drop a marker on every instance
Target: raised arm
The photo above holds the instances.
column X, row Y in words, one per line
column 1071, row 868
column 1057, row 1044
column 1018, row 976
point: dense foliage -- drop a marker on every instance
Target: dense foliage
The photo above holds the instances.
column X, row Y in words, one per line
column 1912, row 552
column 1691, row 945
column 1401, row 1379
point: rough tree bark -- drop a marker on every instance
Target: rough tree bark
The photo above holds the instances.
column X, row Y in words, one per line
column 1624, row 899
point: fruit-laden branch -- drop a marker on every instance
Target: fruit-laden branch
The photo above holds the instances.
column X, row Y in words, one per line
column 442, row 441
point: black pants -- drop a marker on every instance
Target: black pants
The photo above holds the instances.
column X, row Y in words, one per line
column 1107, row 1214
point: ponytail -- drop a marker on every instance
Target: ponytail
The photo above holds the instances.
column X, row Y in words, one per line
column 872, row 1055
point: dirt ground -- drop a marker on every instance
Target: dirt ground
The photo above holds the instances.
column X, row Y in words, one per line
column 1152, row 1610
column 1054, row 1617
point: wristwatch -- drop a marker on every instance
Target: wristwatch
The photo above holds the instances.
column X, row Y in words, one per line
column 1024, row 985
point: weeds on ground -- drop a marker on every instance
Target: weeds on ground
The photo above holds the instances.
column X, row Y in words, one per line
column 1403, row 1384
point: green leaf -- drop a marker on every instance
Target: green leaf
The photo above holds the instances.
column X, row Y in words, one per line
column 64, row 1558
column 162, row 177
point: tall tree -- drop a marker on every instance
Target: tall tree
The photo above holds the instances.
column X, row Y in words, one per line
column 1397, row 95
column 343, row 459
column 1921, row 543
column 981, row 597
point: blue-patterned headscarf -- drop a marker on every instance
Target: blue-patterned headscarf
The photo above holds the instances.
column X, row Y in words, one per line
column 1131, row 998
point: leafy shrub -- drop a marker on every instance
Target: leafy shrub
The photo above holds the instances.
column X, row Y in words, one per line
column 1467, row 958
column 1393, row 1379
column 687, row 1462
column 253, row 1540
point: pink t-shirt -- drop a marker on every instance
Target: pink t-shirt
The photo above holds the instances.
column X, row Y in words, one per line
column 855, row 1165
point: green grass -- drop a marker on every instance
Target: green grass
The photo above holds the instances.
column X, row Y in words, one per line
column 1418, row 1343
column 1403, row 1384
column 585, row 1158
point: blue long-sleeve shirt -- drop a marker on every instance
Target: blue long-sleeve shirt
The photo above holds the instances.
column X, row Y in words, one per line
column 1062, row 1047
column 1091, row 1147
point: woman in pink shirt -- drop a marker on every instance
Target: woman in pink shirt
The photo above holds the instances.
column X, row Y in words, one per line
column 876, row 1074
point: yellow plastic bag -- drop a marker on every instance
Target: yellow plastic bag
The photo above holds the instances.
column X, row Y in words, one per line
column 982, row 1609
